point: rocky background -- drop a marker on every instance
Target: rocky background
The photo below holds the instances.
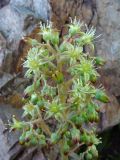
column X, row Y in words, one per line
column 19, row 18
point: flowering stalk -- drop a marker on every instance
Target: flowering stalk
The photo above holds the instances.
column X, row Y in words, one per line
column 61, row 107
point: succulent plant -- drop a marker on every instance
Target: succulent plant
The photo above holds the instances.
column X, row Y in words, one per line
column 61, row 107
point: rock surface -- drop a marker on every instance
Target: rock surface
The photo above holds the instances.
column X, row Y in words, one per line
column 25, row 14
column 18, row 18
column 109, row 47
column 105, row 16
column 62, row 10
column 3, row 3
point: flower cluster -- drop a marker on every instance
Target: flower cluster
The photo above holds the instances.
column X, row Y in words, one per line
column 61, row 107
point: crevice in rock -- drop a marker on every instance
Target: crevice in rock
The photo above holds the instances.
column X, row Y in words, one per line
column 118, row 99
column 4, row 3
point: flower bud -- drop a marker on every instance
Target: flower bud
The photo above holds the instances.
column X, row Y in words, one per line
column 17, row 124
column 55, row 138
column 93, row 78
column 22, row 139
column 66, row 148
column 34, row 141
column 97, row 108
column 88, row 156
column 74, row 29
column 55, row 38
column 65, row 46
column 101, row 96
column 93, row 139
column 85, row 138
column 94, row 151
column 93, row 117
column 79, row 120
column 42, row 140
column 99, row 61
column 75, row 133
column 67, row 134
column 46, row 35
column 34, row 99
